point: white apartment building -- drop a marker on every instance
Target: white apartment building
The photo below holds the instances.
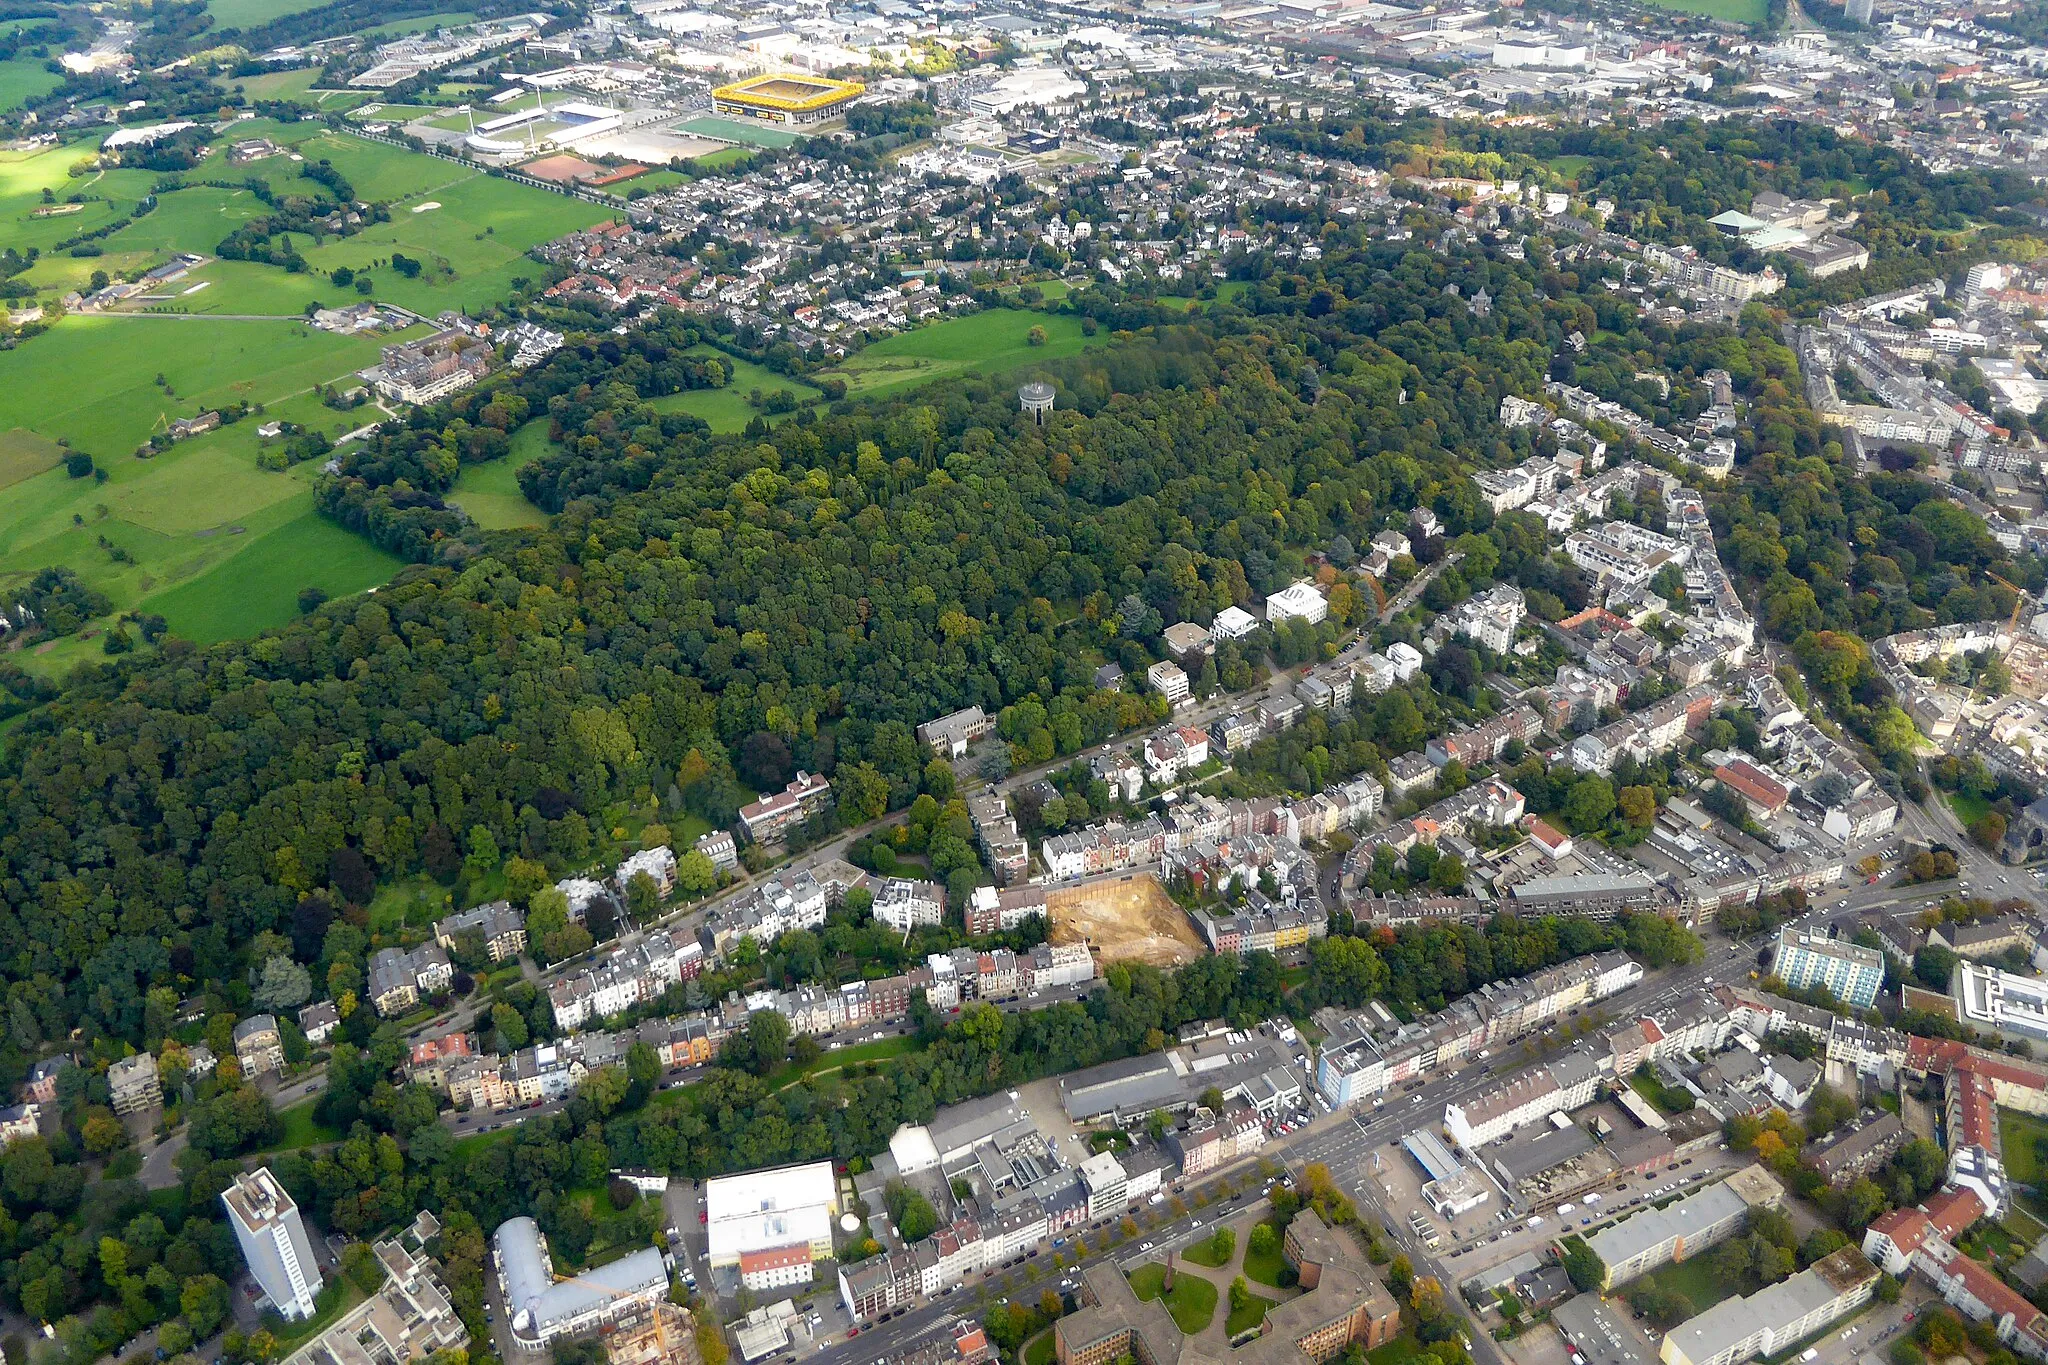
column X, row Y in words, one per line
column 274, row 1242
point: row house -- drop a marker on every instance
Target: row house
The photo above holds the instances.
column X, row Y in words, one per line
column 627, row 978
column 905, row 903
column 1175, row 751
column 1342, row 806
column 1656, row 729
column 1103, row 848
column 1208, row 1141
column 878, row 1284
column 1486, row 741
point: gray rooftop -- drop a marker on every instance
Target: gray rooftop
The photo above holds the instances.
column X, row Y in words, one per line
column 1687, row 1217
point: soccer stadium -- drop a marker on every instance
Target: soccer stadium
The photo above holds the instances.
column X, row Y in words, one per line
column 787, row 99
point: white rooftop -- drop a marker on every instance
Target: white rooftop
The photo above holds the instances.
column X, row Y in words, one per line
column 761, row 1210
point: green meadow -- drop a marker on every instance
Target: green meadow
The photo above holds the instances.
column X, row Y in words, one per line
column 490, row 492
column 22, row 79
column 251, row 13
column 987, row 342
column 727, row 409
column 1731, row 11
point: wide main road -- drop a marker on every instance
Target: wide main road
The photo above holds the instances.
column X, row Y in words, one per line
column 1340, row 1141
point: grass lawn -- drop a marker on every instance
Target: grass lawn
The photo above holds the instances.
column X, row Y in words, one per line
column 259, row 588
column 754, row 135
column 490, row 492
column 1250, row 1316
column 727, row 409
column 1969, row 809
column 339, row 1297
column 1203, row 1252
column 416, row 901
column 1040, row 1349
column 301, row 1129
column 1693, row 1278
column 1399, row 1351
column 2017, row 1135
column 22, row 79
column 838, row 1059
column 1569, row 167
column 1265, row 1269
column 1192, row 1302
column 476, row 1144
column 1733, row 11
column 161, row 532
column 272, row 85
column 399, row 28
column 987, row 342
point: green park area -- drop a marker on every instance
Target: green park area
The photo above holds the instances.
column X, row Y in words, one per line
column 490, row 492
column 2021, row 1139
column 1247, row 1310
column 1692, row 1277
column 1263, row 1263
column 1191, row 1301
column 987, row 342
column 727, row 409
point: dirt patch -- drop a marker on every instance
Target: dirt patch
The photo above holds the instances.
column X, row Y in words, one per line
column 1128, row 919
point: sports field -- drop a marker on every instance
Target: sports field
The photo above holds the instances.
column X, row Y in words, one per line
column 490, row 492
column 727, row 409
column 987, row 342
column 23, row 78
column 731, row 130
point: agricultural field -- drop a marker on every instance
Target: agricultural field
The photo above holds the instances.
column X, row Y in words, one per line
column 274, row 85
column 490, row 492
column 22, row 79
column 987, row 342
column 198, row 532
column 473, row 234
column 251, row 13
column 399, row 28
column 727, row 409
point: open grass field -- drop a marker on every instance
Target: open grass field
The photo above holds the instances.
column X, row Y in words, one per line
column 490, row 492
column 205, row 362
column 215, row 544
column 1399, row 1351
column 275, row 85
column 23, row 455
column 301, row 1129
column 1732, row 11
column 22, row 79
column 1041, row 1349
column 1192, row 1302
column 415, row 901
column 251, row 13
column 987, row 342
column 731, row 130
column 259, row 588
column 399, row 28
column 727, row 409
column 473, row 245
column 1569, row 166
column 724, row 156
column 1969, row 809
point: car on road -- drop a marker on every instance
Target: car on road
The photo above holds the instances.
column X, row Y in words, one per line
column 852, row 1332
